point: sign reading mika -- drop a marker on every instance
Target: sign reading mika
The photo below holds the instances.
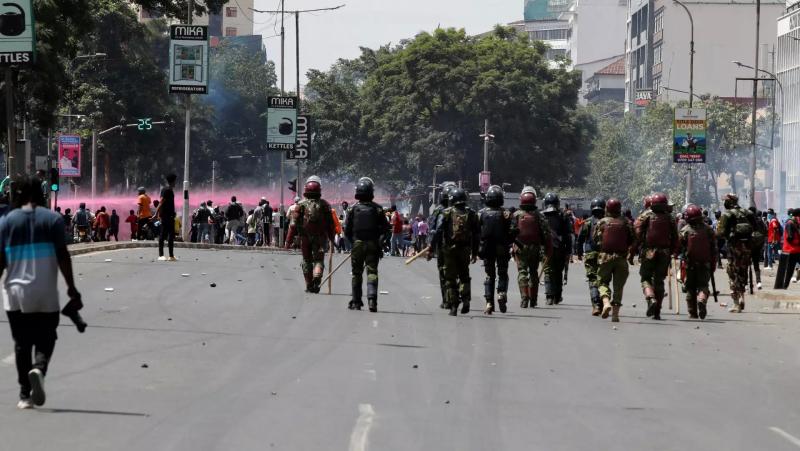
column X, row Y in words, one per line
column 188, row 59
column 689, row 135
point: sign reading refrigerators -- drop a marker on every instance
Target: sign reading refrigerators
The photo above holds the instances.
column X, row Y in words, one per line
column 303, row 146
column 689, row 135
column 188, row 59
column 281, row 123
column 16, row 33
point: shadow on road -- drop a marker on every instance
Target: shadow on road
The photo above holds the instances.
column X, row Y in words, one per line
column 93, row 412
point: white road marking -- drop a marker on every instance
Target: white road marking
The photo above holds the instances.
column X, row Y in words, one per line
column 10, row 360
column 372, row 374
column 791, row 438
column 360, row 434
column 375, row 323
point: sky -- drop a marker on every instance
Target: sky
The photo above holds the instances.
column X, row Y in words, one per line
column 327, row 36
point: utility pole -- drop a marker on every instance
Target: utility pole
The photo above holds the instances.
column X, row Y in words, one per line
column 187, row 137
column 297, row 65
column 297, row 13
column 11, row 132
column 94, row 164
column 213, row 177
column 753, row 137
column 691, row 94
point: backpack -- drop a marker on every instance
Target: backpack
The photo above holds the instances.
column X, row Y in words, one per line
column 460, row 231
column 742, row 229
column 81, row 218
column 314, row 213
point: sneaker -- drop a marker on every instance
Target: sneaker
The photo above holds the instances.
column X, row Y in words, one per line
column 173, row 259
column 794, row 279
column 701, row 310
column 758, row 285
column 162, row 259
column 36, row 379
column 25, row 404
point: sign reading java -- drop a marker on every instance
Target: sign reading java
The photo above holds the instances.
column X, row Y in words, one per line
column 16, row 33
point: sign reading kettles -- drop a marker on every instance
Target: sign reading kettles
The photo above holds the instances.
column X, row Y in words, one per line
column 188, row 59
column 17, row 43
column 281, row 123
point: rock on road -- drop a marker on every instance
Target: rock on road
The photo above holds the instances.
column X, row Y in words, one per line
column 170, row 363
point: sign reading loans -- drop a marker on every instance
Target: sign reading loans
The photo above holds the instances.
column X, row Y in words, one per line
column 188, row 59
column 282, row 123
column 16, row 33
column 689, row 135
column 303, row 146
column 69, row 156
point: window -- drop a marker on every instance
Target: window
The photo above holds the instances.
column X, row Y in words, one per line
column 658, row 22
column 230, row 31
column 657, row 54
column 231, row 11
column 657, row 86
column 549, row 35
column 555, row 53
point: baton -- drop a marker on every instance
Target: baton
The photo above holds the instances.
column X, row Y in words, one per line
column 349, row 256
column 419, row 254
column 751, row 279
column 714, row 286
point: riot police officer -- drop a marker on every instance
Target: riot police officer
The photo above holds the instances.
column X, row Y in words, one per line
column 312, row 222
column 737, row 225
column 457, row 237
column 614, row 237
column 433, row 221
column 657, row 236
column 529, row 233
column 561, row 233
column 364, row 226
column 699, row 251
column 588, row 252
column 494, row 248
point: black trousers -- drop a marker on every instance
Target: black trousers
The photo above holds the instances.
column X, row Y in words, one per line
column 34, row 337
column 167, row 233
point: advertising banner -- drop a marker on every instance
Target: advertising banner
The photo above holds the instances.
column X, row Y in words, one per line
column 16, row 33
column 281, row 123
column 303, row 146
column 689, row 135
column 69, row 155
column 188, row 59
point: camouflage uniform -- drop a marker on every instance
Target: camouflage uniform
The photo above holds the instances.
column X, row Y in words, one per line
column 433, row 221
column 698, row 269
column 739, row 250
column 587, row 250
column 613, row 265
column 365, row 225
column 655, row 259
column 528, row 256
column 458, row 254
column 314, row 238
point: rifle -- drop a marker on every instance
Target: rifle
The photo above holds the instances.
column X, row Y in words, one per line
column 714, row 286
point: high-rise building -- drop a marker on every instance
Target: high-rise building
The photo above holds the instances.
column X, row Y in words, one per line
column 657, row 46
column 786, row 163
column 234, row 19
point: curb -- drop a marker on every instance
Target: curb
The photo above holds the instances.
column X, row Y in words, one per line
column 80, row 249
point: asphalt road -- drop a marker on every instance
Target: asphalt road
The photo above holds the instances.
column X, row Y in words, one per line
column 170, row 363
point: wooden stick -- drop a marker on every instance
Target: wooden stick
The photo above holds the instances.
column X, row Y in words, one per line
column 330, row 270
column 677, row 287
column 669, row 285
column 425, row 251
column 331, row 273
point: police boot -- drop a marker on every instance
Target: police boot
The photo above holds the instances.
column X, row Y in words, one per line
column 464, row 307
column 701, row 304
column 595, row 310
column 649, row 295
column 309, row 282
column 691, row 306
column 526, row 297
column 502, row 300
column 372, row 297
column 549, row 300
column 615, row 313
column 657, row 309
column 489, row 307
column 453, row 309
column 607, row 307
column 355, row 302
column 488, row 293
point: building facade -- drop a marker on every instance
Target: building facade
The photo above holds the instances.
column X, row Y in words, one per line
column 607, row 84
column 787, row 160
column 235, row 19
column 657, row 46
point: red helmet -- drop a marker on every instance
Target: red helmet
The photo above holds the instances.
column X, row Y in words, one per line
column 693, row 212
column 312, row 189
column 648, row 201
column 658, row 199
column 613, row 207
column 527, row 199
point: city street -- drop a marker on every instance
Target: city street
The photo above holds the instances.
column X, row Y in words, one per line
column 171, row 363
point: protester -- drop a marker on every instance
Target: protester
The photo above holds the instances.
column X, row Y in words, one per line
column 233, row 215
column 133, row 221
column 113, row 226
column 32, row 239
column 102, row 223
column 143, row 213
column 774, row 234
column 396, row 222
column 166, row 213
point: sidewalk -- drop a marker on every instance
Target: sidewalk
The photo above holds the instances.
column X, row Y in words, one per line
column 86, row 248
column 769, row 297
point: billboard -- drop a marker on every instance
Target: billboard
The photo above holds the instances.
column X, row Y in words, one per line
column 17, row 36
column 188, row 59
column 689, row 135
column 69, row 155
column 282, row 123
column 303, row 146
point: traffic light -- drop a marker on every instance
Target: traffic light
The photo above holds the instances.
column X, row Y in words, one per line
column 54, row 180
column 144, row 124
column 293, row 185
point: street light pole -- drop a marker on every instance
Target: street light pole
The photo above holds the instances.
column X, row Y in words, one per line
column 435, row 168
column 753, row 137
column 691, row 94
column 187, row 137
